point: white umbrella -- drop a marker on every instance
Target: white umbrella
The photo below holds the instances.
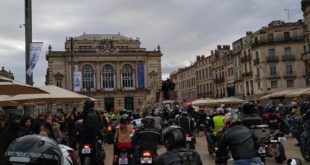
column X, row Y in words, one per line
column 298, row 92
column 277, row 94
column 231, row 100
column 205, row 101
column 12, row 87
column 55, row 95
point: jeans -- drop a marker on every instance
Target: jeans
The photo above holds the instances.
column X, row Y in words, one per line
column 253, row 161
column 303, row 139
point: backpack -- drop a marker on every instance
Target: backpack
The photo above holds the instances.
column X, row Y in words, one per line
column 188, row 158
column 92, row 120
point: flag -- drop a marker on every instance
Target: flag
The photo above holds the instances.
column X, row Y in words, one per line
column 77, row 76
column 35, row 51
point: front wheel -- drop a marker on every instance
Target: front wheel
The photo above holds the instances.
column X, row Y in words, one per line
column 281, row 158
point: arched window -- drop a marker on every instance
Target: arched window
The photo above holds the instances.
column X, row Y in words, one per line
column 127, row 76
column 88, row 77
column 107, row 77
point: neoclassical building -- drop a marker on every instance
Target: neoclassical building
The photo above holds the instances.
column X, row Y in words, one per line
column 305, row 6
column 112, row 68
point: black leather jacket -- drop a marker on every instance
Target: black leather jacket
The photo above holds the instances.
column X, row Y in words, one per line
column 250, row 119
column 187, row 123
column 240, row 141
column 172, row 157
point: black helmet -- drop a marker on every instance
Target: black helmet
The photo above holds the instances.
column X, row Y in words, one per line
column 124, row 119
column 148, row 122
column 35, row 150
column 271, row 108
column 173, row 136
column 89, row 104
column 247, row 107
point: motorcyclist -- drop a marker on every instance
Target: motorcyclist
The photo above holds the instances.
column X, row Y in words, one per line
column 34, row 149
column 157, row 119
column 173, row 137
column 273, row 118
column 217, row 122
column 187, row 123
column 124, row 132
column 91, row 122
column 240, row 141
column 146, row 138
column 248, row 115
column 306, row 127
column 176, row 111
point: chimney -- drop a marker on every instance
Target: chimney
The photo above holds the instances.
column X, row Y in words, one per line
column 197, row 58
column 219, row 47
column 211, row 52
column 248, row 33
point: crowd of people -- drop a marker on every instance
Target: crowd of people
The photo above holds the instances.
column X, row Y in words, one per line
column 174, row 128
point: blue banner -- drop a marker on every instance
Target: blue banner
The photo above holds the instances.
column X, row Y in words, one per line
column 140, row 76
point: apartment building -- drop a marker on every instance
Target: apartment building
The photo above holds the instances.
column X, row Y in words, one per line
column 187, row 83
column 277, row 53
column 112, row 68
column 305, row 6
column 204, row 78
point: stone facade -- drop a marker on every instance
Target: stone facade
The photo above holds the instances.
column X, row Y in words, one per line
column 271, row 59
column 305, row 4
column 7, row 74
column 114, row 69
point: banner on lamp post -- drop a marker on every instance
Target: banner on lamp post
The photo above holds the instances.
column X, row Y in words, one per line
column 77, row 76
column 35, row 51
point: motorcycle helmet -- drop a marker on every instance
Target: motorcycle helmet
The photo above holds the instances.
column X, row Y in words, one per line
column 148, row 122
column 69, row 156
column 270, row 108
column 247, row 107
column 34, row 150
column 173, row 136
column 220, row 110
column 89, row 104
column 231, row 119
column 124, row 119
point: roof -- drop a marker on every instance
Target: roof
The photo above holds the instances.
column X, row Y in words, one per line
column 102, row 37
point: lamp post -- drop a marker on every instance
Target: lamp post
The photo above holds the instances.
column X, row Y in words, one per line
column 28, row 38
column 72, row 64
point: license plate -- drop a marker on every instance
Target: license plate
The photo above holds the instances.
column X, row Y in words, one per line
column 86, row 151
column 282, row 139
column 188, row 139
column 146, row 160
column 262, row 150
column 123, row 161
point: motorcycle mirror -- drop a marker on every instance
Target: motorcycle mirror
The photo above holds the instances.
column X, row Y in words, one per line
column 294, row 161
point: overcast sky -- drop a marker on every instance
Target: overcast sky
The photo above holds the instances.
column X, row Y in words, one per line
column 183, row 28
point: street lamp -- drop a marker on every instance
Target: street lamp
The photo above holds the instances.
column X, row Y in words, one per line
column 28, row 38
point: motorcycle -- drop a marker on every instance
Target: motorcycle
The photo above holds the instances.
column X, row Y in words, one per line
column 262, row 135
column 305, row 151
column 109, row 134
column 147, row 157
column 276, row 146
column 123, row 157
column 87, row 156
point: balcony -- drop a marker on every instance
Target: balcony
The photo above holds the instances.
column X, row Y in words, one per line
column 246, row 58
column 276, row 40
column 291, row 74
column 256, row 62
column 257, row 77
column 238, row 78
column 219, row 80
column 272, row 59
column 307, row 74
column 306, row 57
column 246, row 74
column 289, row 57
column 273, row 75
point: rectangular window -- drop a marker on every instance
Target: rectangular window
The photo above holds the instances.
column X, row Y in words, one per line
column 307, row 82
column 59, row 82
column 271, row 52
column 258, row 85
column 273, row 69
column 129, row 105
column 109, row 104
column 274, row 84
column 289, row 68
column 287, row 36
column 290, row 83
column 288, row 51
column 270, row 37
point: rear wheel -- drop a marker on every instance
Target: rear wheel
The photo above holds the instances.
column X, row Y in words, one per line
column 281, row 158
column 305, row 154
column 87, row 161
